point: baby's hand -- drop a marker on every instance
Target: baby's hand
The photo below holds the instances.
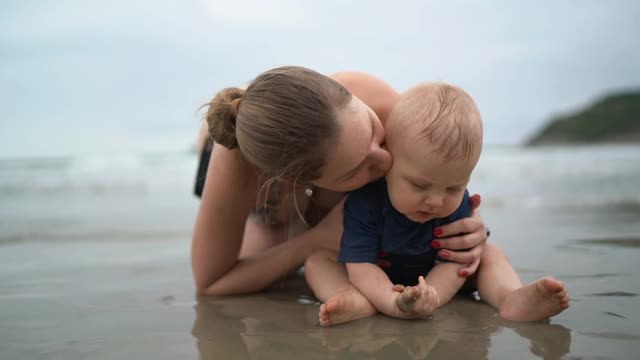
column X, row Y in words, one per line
column 416, row 301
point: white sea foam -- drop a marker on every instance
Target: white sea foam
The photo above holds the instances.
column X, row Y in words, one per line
column 116, row 174
column 507, row 176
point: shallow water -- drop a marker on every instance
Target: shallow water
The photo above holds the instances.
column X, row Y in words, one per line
column 134, row 298
column 105, row 274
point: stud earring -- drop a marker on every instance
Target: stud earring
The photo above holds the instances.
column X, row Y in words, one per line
column 308, row 192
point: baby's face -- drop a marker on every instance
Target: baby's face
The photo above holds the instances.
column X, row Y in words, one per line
column 422, row 186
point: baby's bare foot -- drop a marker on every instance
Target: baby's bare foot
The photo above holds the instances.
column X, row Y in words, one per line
column 539, row 300
column 418, row 301
column 345, row 306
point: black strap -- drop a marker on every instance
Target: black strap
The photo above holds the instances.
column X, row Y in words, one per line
column 203, row 166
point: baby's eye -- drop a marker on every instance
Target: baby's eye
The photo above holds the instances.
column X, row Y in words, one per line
column 454, row 190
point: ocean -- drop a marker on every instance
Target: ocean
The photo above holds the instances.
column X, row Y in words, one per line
column 94, row 262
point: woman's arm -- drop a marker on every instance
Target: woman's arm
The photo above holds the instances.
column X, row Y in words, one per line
column 377, row 94
column 233, row 254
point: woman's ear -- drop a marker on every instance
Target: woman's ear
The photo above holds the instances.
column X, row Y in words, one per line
column 294, row 183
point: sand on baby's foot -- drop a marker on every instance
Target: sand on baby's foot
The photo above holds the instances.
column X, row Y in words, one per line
column 539, row 300
column 343, row 307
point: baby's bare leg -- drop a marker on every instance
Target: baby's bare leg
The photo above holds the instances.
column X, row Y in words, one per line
column 330, row 283
column 445, row 280
column 500, row 287
column 496, row 276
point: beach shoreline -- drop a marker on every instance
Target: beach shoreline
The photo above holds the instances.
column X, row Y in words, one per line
column 106, row 274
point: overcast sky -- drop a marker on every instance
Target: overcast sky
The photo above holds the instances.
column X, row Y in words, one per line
column 120, row 76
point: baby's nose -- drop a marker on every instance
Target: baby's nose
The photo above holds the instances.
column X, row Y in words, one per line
column 434, row 200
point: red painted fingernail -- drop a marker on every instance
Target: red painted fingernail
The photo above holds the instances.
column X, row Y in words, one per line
column 437, row 232
column 464, row 273
column 444, row 254
column 435, row 244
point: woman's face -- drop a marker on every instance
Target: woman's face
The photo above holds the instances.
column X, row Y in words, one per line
column 358, row 156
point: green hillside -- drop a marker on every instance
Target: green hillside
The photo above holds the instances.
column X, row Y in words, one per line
column 613, row 119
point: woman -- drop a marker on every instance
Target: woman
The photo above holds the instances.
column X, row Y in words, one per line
column 288, row 149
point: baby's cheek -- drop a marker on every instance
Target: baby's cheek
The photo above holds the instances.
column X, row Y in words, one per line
column 401, row 199
column 453, row 204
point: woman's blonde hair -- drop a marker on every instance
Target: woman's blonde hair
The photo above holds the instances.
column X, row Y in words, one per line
column 283, row 122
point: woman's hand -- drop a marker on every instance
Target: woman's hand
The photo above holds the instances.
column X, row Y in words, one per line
column 474, row 238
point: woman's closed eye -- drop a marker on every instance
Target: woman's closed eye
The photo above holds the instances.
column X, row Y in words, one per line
column 354, row 173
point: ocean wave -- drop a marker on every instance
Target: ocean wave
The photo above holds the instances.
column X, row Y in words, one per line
column 97, row 175
column 65, row 188
column 111, row 236
column 34, row 164
column 569, row 203
column 563, row 177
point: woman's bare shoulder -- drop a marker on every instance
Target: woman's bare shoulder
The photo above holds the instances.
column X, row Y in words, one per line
column 376, row 93
column 230, row 175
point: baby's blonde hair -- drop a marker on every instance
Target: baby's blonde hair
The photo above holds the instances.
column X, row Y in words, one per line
column 445, row 116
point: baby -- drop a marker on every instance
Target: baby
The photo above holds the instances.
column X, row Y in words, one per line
column 435, row 136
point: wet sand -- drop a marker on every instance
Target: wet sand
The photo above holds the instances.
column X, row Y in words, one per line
column 265, row 328
column 134, row 298
column 94, row 264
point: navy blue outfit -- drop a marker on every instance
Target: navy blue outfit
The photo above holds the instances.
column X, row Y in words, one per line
column 375, row 232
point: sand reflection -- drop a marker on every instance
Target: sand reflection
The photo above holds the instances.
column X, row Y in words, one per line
column 265, row 326
column 614, row 242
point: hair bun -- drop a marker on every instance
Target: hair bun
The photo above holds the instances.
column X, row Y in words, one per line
column 221, row 116
column 235, row 103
